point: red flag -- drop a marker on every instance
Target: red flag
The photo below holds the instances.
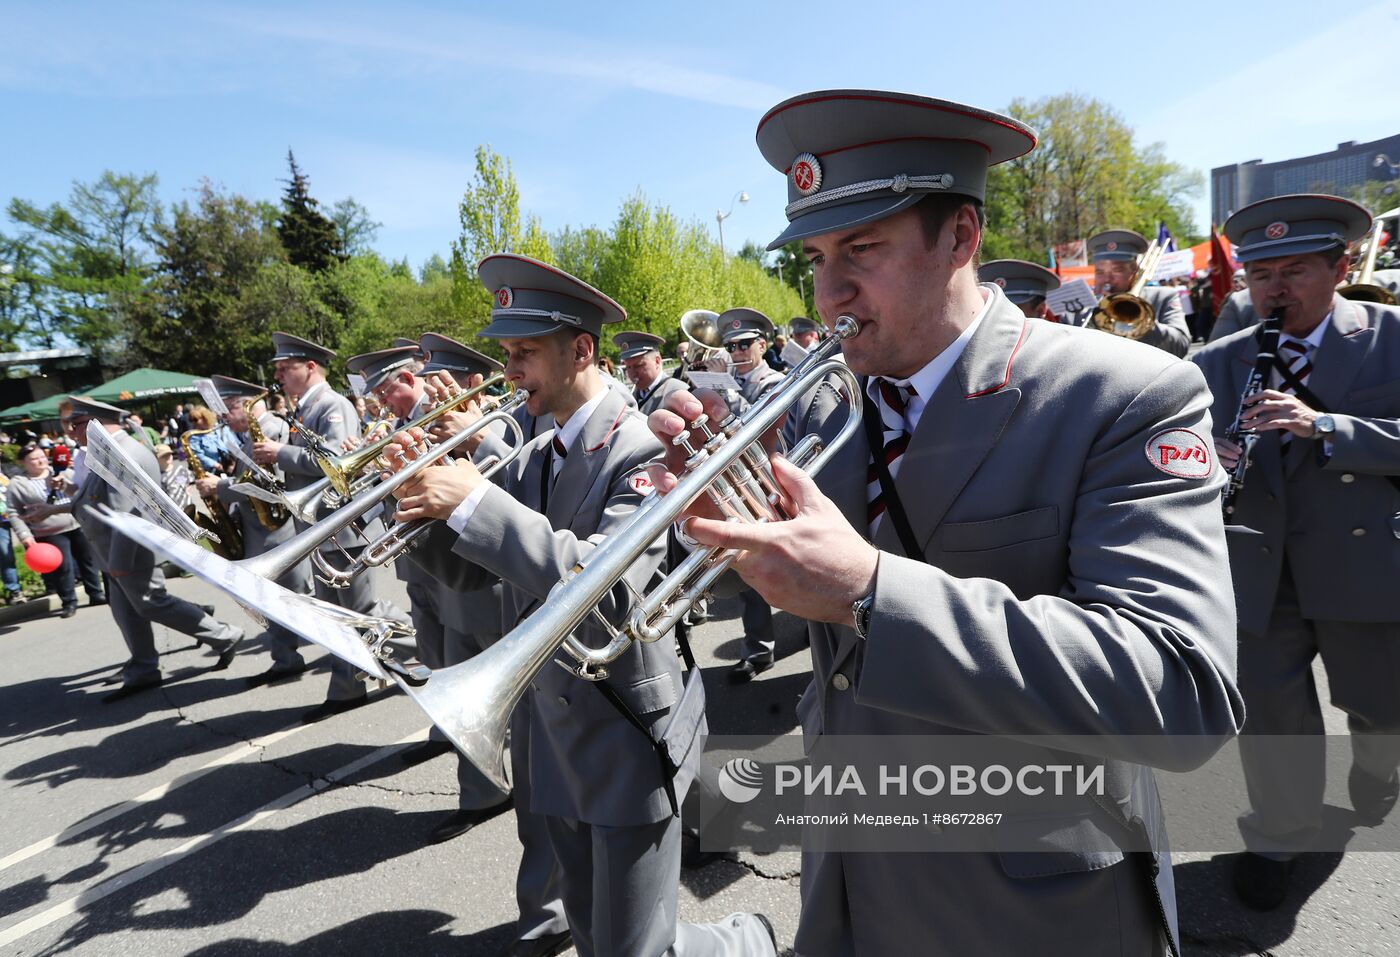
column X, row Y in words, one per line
column 1222, row 270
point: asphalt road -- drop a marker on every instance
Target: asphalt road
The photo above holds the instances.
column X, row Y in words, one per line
column 203, row 818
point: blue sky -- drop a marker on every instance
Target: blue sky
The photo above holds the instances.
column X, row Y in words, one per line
column 591, row 102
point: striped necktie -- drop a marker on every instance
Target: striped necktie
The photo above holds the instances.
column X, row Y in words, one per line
column 1298, row 355
column 893, row 405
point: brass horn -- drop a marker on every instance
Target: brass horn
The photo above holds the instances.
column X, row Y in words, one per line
column 1127, row 314
column 342, row 469
column 1362, row 288
column 472, row 701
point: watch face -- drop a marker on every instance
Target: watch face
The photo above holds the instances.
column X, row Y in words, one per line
column 1324, row 423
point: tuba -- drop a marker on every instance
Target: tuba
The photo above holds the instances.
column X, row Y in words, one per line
column 472, row 701
column 218, row 520
column 701, row 328
column 1127, row 314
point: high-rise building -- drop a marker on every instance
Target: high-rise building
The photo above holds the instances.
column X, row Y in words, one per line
column 1336, row 172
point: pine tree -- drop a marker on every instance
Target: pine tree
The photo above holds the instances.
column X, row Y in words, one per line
column 310, row 238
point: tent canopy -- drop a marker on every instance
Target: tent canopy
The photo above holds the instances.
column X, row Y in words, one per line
column 136, row 386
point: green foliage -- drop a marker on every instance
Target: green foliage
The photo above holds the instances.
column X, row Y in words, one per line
column 77, row 269
column 1086, row 175
column 311, row 240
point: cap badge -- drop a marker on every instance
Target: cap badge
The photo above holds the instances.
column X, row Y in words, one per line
column 806, row 174
column 505, row 297
column 1276, row 230
column 1000, row 281
column 1111, row 246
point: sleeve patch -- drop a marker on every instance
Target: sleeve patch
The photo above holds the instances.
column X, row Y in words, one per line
column 640, row 483
column 1182, row 453
column 335, row 417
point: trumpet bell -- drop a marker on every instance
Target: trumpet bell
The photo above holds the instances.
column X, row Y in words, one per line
column 1124, row 315
column 466, row 702
column 701, row 327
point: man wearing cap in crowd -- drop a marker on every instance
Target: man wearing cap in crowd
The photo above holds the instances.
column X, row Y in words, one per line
column 301, row 369
column 139, row 596
column 1115, row 254
column 1314, row 555
column 975, row 563
column 640, row 353
column 1025, row 284
column 239, row 396
column 805, row 332
column 744, row 333
column 591, row 751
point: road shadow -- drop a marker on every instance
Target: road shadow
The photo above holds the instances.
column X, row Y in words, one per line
column 225, row 881
column 410, row 932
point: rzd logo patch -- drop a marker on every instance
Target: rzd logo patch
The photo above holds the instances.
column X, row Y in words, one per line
column 640, row 483
column 1180, row 452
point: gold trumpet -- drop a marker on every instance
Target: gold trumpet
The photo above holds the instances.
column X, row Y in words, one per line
column 343, row 469
column 1362, row 288
column 1127, row 314
column 472, row 701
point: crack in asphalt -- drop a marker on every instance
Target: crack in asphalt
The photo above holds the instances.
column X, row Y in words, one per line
column 760, row 872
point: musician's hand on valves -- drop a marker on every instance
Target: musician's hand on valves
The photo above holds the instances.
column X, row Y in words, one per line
column 435, row 492
column 1271, row 409
column 265, row 453
column 1228, row 452
column 459, row 420
column 814, row 565
column 208, row 486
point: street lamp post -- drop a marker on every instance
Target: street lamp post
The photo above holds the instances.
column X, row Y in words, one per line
column 739, row 197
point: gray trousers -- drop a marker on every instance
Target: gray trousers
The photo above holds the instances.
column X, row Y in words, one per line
column 537, row 892
column 359, row 597
column 140, row 598
column 757, row 617
column 620, row 886
column 283, row 643
column 1286, row 777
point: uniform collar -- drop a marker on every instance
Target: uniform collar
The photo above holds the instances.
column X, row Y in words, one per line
column 570, row 430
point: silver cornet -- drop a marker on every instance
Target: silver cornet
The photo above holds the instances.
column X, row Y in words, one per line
column 472, row 701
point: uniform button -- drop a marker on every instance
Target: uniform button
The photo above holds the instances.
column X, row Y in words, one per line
column 563, row 701
column 1358, row 532
column 840, row 682
column 1348, row 477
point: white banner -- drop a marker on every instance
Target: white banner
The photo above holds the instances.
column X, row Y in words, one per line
column 1175, row 264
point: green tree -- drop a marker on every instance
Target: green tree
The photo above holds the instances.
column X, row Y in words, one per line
column 1087, row 174
column 791, row 265
column 311, row 240
column 80, row 267
column 355, row 229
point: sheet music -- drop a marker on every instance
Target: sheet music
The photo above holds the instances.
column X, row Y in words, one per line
column 111, row 463
column 313, row 620
column 210, row 394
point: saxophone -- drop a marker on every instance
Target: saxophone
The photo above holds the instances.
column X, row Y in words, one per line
column 270, row 516
column 218, row 521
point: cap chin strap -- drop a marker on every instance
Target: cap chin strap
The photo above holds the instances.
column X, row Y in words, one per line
column 551, row 315
column 900, row 183
column 1335, row 239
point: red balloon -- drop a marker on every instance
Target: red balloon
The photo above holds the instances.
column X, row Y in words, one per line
column 43, row 557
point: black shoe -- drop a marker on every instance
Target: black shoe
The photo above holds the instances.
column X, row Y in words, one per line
column 1372, row 798
column 335, row 706
column 99, row 600
column 547, row 946
column 1261, row 882
column 131, row 688
column 460, row 822
column 208, row 610
column 226, row 656
column 68, row 611
column 768, row 926
column 693, row 858
column 420, row 753
column 275, row 675
column 749, row 668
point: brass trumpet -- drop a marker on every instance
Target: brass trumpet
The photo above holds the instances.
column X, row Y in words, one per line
column 1362, row 287
column 343, row 469
column 1127, row 314
column 472, row 701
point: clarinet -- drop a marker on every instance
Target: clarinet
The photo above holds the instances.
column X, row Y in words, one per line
column 1246, row 438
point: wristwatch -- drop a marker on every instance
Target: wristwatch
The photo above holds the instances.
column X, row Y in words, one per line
column 860, row 614
column 1324, row 425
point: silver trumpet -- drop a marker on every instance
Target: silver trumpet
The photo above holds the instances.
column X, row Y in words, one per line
column 472, row 701
column 402, row 536
column 277, row 561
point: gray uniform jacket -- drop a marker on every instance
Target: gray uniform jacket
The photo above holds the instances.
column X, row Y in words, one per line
column 1170, row 334
column 111, row 551
column 760, row 380
column 655, row 397
column 1336, row 519
column 256, row 537
column 1236, row 313
column 1067, row 585
column 586, row 762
